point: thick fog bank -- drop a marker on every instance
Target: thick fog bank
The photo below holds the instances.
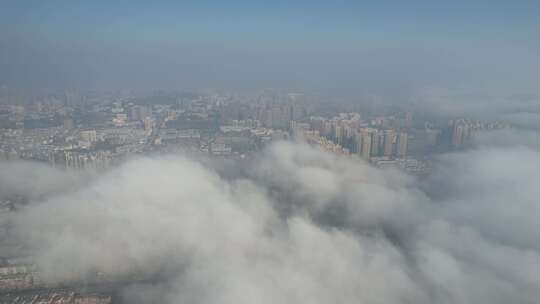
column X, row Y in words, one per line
column 295, row 226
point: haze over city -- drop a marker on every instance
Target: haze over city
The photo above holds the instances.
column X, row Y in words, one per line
column 269, row 151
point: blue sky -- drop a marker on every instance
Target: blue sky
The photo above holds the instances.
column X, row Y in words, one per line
column 485, row 33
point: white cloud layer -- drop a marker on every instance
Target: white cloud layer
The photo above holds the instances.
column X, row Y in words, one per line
column 296, row 226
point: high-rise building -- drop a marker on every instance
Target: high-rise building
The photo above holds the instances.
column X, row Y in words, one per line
column 327, row 128
column 366, row 145
column 376, row 143
column 358, row 143
column 401, row 146
column 460, row 132
column 363, row 142
column 339, row 133
column 148, row 123
column 389, row 139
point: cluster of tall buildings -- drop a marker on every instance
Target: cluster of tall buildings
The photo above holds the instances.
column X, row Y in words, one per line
column 358, row 137
column 462, row 130
column 371, row 142
column 82, row 159
column 271, row 110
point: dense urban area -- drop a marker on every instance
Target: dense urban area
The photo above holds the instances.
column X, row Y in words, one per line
column 96, row 130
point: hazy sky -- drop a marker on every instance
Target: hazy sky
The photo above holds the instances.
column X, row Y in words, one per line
column 324, row 45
